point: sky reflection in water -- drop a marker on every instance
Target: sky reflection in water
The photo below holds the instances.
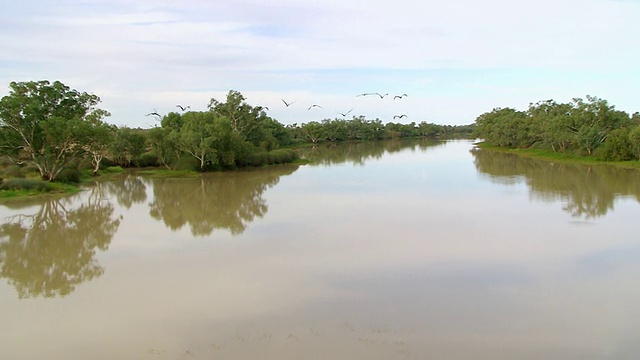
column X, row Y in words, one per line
column 373, row 251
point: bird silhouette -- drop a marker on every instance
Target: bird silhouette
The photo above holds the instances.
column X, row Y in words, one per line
column 314, row 105
column 287, row 104
column 381, row 95
column 399, row 116
column 183, row 108
column 345, row 114
column 399, row 96
column 154, row 114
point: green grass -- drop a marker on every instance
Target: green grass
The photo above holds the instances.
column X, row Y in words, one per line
column 19, row 188
column 114, row 169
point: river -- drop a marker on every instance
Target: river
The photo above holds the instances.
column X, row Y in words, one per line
column 382, row 250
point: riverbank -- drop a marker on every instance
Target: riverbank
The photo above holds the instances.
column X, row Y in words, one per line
column 30, row 187
column 550, row 155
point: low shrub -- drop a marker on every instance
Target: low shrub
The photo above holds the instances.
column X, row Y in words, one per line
column 148, row 159
column 13, row 171
column 26, row 184
column 69, row 176
column 256, row 159
column 282, row 156
column 114, row 169
column 85, row 164
column 187, row 163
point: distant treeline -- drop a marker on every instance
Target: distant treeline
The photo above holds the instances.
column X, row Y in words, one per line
column 588, row 127
column 57, row 132
column 234, row 134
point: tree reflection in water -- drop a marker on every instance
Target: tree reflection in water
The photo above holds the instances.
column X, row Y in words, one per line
column 589, row 191
column 128, row 190
column 49, row 252
column 227, row 200
column 358, row 153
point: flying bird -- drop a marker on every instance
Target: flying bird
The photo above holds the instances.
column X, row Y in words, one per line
column 399, row 116
column 183, row 108
column 399, row 96
column 381, row 95
column 154, row 114
column 287, row 104
column 345, row 114
column 314, row 105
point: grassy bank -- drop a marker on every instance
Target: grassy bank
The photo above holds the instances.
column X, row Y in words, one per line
column 20, row 187
column 550, row 155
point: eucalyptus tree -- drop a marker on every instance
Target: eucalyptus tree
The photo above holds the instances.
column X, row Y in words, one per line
column 41, row 122
column 427, row 129
column 358, row 128
column 163, row 147
column 244, row 118
column 634, row 141
column 197, row 137
column 98, row 137
column 551, row 124
column 127, row 145
column 618, row 146
column 314, row 131
column 336, row 129
column 595, row 119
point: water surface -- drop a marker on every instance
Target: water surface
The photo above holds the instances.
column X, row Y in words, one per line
column 389, row 250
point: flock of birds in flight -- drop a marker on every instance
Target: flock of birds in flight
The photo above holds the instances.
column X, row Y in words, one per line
column 289, row 103
column 382, row 96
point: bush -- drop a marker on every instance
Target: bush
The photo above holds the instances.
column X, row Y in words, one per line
column 85, row 164
column 13, row 171
column 30, row 169
column 26, row 184
column 147, row 159
column 187, row 163
column 69, row 176
column 114, row 169
column 282, row 156
column 256, row 159
column 279, row 156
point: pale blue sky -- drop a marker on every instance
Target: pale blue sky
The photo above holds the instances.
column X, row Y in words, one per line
column 454, row 59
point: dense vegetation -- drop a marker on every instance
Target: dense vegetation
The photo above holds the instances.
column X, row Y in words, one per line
column 55, row 132
column 583, row 128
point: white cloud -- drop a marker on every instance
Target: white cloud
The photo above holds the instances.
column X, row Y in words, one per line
column 133, row 54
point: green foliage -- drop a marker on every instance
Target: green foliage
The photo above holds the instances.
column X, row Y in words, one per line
column 114, row 169
column 282, row 156
column 634, row 140
column 617, row 147
column 13, row 171
column 148, row 159
column 197, row 137
column 256, row 159
column 582, row 127
column 164, row 148
column 128, row 144
column 45, row 123
column 69, row 176
column 251, row 123
column 26, row 184
column 188, row 163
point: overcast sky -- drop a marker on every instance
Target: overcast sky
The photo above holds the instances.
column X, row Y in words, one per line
column 455, row 59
